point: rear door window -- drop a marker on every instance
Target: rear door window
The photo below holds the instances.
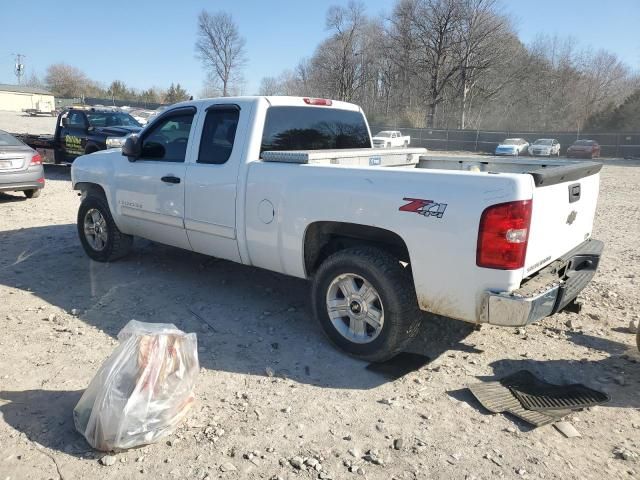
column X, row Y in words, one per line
column 313, row 128
column 218, row 135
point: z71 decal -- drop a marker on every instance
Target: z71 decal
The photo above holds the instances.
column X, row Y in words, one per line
column 427, row 208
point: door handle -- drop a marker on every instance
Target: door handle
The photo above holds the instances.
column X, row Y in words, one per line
column 170, row 179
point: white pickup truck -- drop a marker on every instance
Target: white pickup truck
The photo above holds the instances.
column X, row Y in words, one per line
column 390, row 139
column 292, row 185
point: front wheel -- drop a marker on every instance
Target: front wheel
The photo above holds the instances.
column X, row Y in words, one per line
column 365, row 302
column 100, row 237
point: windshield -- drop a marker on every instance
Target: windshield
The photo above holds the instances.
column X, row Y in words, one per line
column 544, row 141
column 511, row 141
column 111, row 119
column 584, row 142
column 383, row 134
column 7, row 140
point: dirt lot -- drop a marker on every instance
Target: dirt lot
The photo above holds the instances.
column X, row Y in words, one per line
column 319, row 404
column 18, row 122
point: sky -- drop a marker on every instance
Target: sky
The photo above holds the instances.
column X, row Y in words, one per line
column 151, row 43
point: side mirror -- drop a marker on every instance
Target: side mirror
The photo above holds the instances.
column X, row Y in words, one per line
column 132, row 148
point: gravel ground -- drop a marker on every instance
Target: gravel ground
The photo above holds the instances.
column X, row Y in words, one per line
column 272, row 392
column 18, row 122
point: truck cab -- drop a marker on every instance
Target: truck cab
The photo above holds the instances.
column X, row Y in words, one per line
column 81, row 131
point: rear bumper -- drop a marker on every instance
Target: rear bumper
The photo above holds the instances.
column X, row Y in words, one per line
column 548, row 292
column 26, row 180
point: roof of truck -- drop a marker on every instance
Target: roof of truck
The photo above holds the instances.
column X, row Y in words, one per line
column 275, row 100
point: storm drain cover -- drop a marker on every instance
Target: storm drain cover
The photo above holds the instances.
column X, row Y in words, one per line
column 537, row 395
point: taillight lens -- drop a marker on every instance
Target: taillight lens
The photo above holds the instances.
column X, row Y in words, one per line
column 318, row 101
column 36, row 159
column 503, row 235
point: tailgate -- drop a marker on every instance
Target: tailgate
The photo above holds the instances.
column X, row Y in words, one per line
column 564, row 206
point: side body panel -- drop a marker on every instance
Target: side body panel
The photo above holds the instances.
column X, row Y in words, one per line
column 442, row 248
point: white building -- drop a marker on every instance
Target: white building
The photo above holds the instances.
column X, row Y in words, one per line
column 16, row 98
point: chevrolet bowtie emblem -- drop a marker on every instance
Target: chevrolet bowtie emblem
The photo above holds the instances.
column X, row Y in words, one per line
column 572, row 217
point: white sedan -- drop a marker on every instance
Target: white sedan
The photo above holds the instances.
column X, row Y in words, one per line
column 545, row 147
column 512, row 146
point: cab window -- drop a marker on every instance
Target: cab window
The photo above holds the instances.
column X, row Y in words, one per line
column 218, row 135
column 77, row 120
column 167, row 140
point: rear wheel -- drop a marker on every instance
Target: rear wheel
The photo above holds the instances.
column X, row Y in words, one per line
column 365, row 302
column 99, row 235
column 33, row 193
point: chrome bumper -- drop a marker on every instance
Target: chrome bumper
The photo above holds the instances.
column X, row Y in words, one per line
column 513, row 311
column 562, row 281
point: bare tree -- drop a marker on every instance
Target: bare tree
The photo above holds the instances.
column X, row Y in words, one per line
column 270, row 86
column 481, row 31
column 66, row 81
column 434, row 25
column 221, row 49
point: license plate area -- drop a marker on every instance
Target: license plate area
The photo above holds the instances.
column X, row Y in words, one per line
column 5, row 164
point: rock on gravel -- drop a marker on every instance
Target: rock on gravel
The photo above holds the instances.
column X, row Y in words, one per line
column 108, row 460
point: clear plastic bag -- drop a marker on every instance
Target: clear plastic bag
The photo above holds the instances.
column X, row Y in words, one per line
column 142, row 391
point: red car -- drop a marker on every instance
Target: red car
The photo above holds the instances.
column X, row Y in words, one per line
column 584, row 149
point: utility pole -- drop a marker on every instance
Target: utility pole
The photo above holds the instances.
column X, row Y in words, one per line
column 19, row 67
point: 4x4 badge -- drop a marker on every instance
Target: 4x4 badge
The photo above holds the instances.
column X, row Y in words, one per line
column 427, row 208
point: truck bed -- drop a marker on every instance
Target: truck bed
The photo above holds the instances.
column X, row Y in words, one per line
column 36, row 141
column 544, row 172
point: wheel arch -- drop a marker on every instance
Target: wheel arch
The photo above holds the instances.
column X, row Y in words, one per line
column 323, row 238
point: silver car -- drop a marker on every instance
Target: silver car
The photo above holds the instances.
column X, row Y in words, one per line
column 21, row 167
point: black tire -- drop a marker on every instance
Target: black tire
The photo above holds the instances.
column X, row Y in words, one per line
column 117, row 245
column 33, row 193
column 394, row 285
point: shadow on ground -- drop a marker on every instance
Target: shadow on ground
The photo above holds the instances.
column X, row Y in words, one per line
column 45, row 417
column 248, row 320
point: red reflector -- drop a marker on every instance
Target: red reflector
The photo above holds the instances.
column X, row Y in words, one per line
column 503, row 235
column 318, row 101
column 41, row 180
column 36, row 159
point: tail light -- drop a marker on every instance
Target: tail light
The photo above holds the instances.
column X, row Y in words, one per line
column 503, row 235
column 41, row 180
column 318, row 101
column 36, row 159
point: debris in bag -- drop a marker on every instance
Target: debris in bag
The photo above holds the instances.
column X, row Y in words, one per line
column 142, row 391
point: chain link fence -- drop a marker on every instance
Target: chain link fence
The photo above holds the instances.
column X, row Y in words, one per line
column 617, row 145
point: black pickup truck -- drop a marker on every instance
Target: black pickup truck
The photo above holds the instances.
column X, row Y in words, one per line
column 80, row 131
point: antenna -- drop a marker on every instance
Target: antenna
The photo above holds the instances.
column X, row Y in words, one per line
column 19, row 66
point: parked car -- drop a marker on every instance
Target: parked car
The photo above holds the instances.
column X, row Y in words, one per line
column 546, row 147
column 142, row 116
column 390, row 139
column 20, row 167
column 266, row 182
column 80, row 131
column 512, row 146
column 584, row 149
